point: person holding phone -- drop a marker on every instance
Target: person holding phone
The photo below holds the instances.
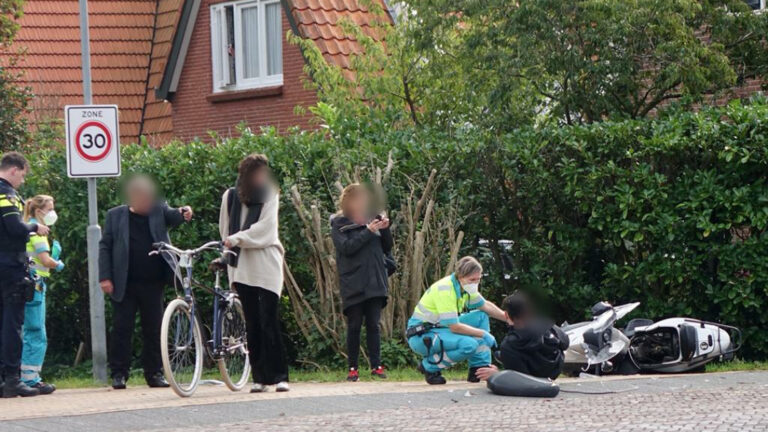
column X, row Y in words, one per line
column 362, row 244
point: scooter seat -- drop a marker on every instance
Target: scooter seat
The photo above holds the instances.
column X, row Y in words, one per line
column 513, row 383
column 629, row 330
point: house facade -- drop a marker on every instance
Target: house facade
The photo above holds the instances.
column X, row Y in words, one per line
column 182, row 68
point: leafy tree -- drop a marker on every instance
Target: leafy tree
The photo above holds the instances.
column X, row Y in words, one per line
column 13, row 99
column 590, row 59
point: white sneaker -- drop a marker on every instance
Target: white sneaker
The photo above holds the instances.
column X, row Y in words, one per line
column 282, row 387
column 259, row 388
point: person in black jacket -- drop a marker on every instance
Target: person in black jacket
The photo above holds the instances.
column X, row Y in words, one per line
column 533, row 345
column 134, row 279
column 362, row 243
column 15, row 285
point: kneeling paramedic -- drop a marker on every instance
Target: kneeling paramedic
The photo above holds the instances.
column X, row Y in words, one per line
column 441, row 331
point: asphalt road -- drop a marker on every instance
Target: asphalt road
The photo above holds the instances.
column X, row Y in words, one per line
column 708, row 402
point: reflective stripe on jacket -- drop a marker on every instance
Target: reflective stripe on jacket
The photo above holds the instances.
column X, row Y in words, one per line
column 36, row 245
column 443, row 302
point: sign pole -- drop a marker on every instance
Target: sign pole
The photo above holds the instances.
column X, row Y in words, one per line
column 96, row 298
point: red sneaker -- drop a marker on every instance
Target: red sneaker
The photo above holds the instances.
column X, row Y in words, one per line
column 353, row 376
column 379, row 372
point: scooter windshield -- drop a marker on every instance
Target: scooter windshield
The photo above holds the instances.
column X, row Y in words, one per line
column 604, row 321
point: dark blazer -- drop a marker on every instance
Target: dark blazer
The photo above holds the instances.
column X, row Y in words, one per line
column 113, row 248
column 360, row 261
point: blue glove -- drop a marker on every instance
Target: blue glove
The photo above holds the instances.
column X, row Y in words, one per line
column 489, row 340
column 60, row 266
column 56, row 250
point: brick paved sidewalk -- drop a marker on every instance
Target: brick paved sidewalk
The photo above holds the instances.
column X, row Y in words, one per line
column 700, row 403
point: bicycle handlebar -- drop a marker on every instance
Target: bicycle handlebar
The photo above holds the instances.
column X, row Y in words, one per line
column 166, row 247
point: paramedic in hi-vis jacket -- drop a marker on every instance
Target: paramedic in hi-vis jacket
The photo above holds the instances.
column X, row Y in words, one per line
column 451, row 323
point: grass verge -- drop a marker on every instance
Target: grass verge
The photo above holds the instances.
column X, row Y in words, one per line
column 72, row 378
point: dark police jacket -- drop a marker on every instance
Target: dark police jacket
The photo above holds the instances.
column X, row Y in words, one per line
column 113, row 248
column 360, row 261
column 536, row 349
column 14, row 233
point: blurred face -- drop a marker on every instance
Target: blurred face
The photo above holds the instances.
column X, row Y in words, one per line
column 141, row 199
column 358, row 208
column 260, row 177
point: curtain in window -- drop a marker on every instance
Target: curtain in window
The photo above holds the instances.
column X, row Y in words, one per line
column 274, row 18
column 250, row 25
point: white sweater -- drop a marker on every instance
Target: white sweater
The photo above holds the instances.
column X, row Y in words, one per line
column 260, row 263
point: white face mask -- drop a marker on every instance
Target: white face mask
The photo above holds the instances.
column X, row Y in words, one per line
column 50, row 218
column 472, row 288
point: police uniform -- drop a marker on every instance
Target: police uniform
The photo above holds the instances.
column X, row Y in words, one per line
column 14, row 234
column 440, row 307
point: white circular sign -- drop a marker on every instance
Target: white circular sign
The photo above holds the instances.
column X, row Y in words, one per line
column 93, row 141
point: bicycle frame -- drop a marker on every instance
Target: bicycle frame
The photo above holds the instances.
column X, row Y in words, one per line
column 184, row 260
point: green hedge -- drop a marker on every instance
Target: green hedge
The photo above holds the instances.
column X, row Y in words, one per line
column 671, row 212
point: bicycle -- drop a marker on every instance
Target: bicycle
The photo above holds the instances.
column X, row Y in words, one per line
column 181, row 342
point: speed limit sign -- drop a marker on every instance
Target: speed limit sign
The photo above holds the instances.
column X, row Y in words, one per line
column 93, row 148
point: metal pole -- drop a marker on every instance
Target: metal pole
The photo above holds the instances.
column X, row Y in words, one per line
column 96, row 298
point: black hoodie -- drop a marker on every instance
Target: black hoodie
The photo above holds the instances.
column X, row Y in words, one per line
column 360, row 261
column 537, row 349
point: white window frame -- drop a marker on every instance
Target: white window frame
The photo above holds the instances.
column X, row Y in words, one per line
column 763, row 7
column 220, row 56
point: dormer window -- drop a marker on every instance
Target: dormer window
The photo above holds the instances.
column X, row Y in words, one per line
column 247, row 45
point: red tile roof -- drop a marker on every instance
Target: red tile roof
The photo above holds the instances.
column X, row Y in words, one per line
column 320, row 21
column 130, row 44
column 121, row 40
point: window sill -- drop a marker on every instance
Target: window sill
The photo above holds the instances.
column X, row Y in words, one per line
column 235, row 95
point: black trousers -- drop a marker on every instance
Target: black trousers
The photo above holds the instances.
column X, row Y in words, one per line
column 12, row 303
column 147, row 299
column 370, row 310
column 265, row 343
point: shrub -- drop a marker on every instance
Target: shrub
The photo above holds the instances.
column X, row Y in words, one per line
column 671, row 212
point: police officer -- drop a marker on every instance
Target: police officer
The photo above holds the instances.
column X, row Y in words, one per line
column 443, row 334
column 15, row 284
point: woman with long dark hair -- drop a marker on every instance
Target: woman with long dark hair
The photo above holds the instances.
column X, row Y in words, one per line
column 362, row 242
column 248, row 223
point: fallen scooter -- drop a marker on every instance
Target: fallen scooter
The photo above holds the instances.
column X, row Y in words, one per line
column 672, row 345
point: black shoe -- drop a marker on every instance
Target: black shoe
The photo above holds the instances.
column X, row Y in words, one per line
column 433, row 378
column 118, row 382
column 14, row 387
column 472, row 376
column 157, row 381
column 44, row 388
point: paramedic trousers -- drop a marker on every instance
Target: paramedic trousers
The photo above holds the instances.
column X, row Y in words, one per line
column 454, row 347
column 35, row 339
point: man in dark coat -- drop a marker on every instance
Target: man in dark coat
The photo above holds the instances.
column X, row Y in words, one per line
column 134, row 279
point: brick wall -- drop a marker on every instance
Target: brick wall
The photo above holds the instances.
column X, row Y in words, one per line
column 194, row 115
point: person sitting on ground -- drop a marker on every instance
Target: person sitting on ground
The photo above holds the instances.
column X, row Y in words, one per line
column 533, row 345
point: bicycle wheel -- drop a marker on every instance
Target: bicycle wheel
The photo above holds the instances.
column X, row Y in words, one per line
column 233, row 356
column 181, row 346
